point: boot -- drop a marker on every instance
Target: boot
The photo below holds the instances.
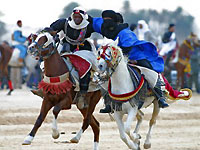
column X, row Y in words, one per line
column 81, row 100
column 160, row 95
column 38, row 92
column 107, row 109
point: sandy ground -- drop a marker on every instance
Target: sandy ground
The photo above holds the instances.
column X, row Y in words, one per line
column 177, row 128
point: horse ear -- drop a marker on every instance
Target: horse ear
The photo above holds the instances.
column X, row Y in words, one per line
column 116, row 41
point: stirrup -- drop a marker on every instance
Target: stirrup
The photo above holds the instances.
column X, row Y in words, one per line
column 107, row 109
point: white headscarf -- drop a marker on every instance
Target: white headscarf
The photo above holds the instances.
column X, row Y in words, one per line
column 141, row 32
column 84, row 22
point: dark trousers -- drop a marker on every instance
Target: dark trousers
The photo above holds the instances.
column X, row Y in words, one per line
column 144, row 63
column 84, row 82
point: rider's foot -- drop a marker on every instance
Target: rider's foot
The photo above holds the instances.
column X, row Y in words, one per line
column 38, row 92
column 162, row 103
column 107, row 109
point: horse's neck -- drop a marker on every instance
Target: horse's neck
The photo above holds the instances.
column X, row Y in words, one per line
column 55, row 66
column 183, row 51
column 121, row 79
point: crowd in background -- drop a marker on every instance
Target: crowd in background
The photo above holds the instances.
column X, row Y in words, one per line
column 26, row 71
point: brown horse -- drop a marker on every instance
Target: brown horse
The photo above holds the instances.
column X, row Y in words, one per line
column 183, row 64
column 60, row 94
column 6, row 53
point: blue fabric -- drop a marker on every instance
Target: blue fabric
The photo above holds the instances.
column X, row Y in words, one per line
column 22, row 49
column 140, row 49
column 21, row 40
column 97, row 22
column 19, row 37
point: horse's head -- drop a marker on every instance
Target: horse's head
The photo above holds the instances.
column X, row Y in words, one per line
column 109, row 56
column 42, row 45
column 192, row 41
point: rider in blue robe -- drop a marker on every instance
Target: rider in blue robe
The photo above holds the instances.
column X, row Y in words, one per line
column 144, row 53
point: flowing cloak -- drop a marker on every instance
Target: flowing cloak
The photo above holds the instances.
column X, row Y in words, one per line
column 139, row 49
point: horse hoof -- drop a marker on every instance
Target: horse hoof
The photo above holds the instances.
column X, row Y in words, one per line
column 28, row 140
column 138, row 145
column 147, row 145
column 74, row 140
column 26, row 143
column 55, row 134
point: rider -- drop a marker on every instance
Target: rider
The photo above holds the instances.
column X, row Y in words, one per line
column 77, row 28
column 169, row 40
column 19, row 40
column 143, row 52
column 144, row 33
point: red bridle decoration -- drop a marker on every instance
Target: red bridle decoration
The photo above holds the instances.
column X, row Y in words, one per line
column 103, row 55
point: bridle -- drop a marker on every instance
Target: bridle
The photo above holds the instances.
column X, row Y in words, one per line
column 112, row 60
column 50, row 46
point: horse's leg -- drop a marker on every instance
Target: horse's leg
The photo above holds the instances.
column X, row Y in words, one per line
column 178, row 75
column 183, row 80
column 55, row 131
column 46, row 106
column 88, row 119
column 96, row 130
column 64, row 104
column 118, row 118
column 10, row 87
column 156, row 110
column 9, row 81
column 127, row 126
column 95, row 127
column 139, row 117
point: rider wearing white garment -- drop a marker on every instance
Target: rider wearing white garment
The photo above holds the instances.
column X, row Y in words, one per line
column 144, row 33
column 77, row 28
column 168, row 41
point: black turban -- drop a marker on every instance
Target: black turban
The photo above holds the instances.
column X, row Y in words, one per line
column 109, row 13
column 119, row 18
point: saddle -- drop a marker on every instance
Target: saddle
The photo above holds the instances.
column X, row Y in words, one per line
column 145, row 91
column 78, row 71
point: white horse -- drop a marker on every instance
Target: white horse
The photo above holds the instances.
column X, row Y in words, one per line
column 122, row 90
column 121, row 83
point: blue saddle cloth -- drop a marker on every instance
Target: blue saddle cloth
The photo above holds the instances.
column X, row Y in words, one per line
column 136, row 77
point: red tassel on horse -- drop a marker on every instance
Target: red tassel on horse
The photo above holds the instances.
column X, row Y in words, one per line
column 55, row 88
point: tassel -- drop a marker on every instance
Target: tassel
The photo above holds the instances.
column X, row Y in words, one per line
column 173, row 93
column 53, row 88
